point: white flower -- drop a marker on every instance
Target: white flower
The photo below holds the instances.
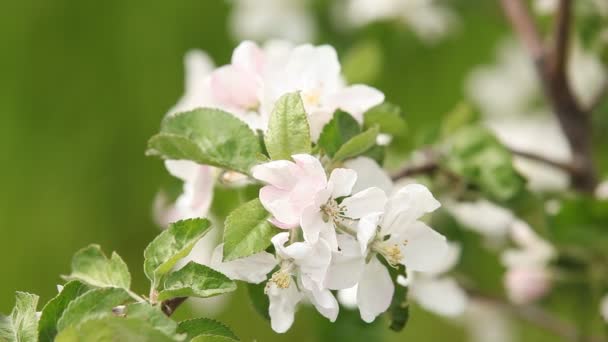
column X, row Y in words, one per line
column 315, row 72
column 435, row 291
column 198, row 66
column 427, row 18
column 527, row 277
column 252, row 269
column 267, row 19
column 483, row 217
column 400, row 238
column 299, row 194
column 486, row 322
column 369, row 175
column 604, row 308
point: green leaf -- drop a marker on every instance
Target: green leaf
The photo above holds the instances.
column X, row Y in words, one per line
column 195, row 280
column 338, row 131
column 259, row 299
column 359, row 144
column 22, row 324
column 460, row 117
column 52, row 311
column 207, row 327
column 399, row 310
column 363, row 62
column 388, row 117
column 94, row 304
column 92, row 267
column 207, row 136
column 212, row 338
column 580, row 224
column 172, row 245
column 288, row 130
column 247, row 231
column 154, row 316
column 113, row 328
column 477, row 156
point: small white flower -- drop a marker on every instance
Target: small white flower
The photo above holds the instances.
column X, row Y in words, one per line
column 483, row 217
column 604, row 308
column 527, row 277
column 399, row 237
column 434, row 290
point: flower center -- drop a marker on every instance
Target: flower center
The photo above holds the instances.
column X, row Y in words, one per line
column 281, row 278
column 312, row 98
column 331, row 210
column 390, row 252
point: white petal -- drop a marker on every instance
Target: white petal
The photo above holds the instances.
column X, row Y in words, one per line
column 482, row 216
column 342, row 181
column 183, row 169
column 364, row 203
column 441, row 296
column 248, row 56
column 278, row 173
column 408, row 205
column 198, row 66
column 312, row 169
column 278, row 241
column 425, row 249
column 449, row 260
column 369, row 174
column 278, row 203
column 316, row 262
column 367, row 230
column 346, row 265
column 604, row 308
column 348, row 297
column 282, row 306
column 375, row 291
column 252, row 269
column 312, row 223
column 356, row 100
column 321, row 298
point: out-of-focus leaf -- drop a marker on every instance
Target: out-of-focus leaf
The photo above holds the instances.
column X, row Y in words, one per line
column 154, row 316
column 22, row 324
column 172, row 245
column 207, row 136
column 195, row 280
column 92, row 267
column 350, row 327
column 247, row 231
column 357, row 145
column 259, row 300
column 476, row 155
column 52, row 311
column 113, row 328
column 338, row 131
column 288, row 130
column 363, row 62
column 94, row 304
column 581, row 223
column 388, row 117
column 461, row 116
column 212, row 338
column 206, row 327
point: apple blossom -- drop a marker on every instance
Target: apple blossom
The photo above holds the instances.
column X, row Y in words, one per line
column 604, row 308
column 527, row 277
column 434, row 290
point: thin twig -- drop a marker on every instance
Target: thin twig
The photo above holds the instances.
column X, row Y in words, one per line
column 522, row 22
column 567, row 167
column 416, row 170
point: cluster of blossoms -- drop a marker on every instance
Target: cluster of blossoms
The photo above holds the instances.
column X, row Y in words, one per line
column 335, row 240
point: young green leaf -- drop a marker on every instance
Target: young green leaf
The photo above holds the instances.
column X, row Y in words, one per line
column 94, row 304
column 359, row 144
column 338, row 131
column 363, row 62
column 113, row 328
column 207, row 327
column 207, row 136
column 22, row 324
column 476, row 155
column 92, row 267
column 247, row 231
column 172, row 245
column 154, row 316
column 195, row 280
column 388, row 117
column 52, row 311
column 212, row 338
column 288, row 130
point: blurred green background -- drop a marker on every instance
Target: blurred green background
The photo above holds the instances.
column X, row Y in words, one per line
column 84, row 84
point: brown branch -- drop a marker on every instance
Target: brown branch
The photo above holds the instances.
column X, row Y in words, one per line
column 551, row 68
column 170, row 305
column 538, row 317
column 567, row 167
column 416, row 170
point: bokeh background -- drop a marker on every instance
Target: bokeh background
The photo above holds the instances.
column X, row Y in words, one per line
column 84, row 84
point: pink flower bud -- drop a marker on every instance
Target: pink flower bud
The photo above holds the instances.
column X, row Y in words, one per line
column 526, row 284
